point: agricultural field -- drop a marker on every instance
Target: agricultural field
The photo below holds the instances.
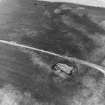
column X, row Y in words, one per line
column 71, row 30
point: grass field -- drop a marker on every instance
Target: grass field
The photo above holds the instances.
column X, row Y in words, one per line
column 26, row 77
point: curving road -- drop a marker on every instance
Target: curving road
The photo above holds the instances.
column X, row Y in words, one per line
column 89, row 64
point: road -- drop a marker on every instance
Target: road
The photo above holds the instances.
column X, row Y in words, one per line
column 70, row 59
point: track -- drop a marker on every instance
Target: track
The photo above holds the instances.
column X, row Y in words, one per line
column 79, row 61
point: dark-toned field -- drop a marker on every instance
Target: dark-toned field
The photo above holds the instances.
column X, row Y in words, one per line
column 26, row 77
